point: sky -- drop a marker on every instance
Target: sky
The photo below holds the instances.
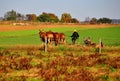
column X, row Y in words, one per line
column 79, row 9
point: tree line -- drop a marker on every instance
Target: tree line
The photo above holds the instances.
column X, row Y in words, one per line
column 50, row 17
column 94, row 20
column 44, row 17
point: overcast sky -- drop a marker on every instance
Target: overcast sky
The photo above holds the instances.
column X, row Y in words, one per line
column 79, row 9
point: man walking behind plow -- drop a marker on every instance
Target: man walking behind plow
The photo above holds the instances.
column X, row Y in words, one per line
column 74, row 36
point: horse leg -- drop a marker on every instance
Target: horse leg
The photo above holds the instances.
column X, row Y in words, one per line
column 64, row 42
column 48, row 40
column 56, row 42
column 61, row 41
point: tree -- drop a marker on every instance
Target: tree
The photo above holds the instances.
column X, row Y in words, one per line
column 104, row 20
column 43, row 17
column 93, row 21
column 48, row 17
column 19, row 16
column 53, row 17
column 13, row 15
column 10, row 15
column 66, row 18
column 74, row 20
column 31, row 17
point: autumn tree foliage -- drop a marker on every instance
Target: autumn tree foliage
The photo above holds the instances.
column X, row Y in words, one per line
column 31, row 17
column 66, row 18
column 51, row 17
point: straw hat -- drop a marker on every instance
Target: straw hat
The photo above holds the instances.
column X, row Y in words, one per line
column 75, row 30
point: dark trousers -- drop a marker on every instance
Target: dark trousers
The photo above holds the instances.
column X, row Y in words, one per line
column 73, row 40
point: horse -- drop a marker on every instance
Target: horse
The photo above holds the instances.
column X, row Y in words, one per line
column 56, row 38
column 50, row 36
column 62, row 38
column 42, row 35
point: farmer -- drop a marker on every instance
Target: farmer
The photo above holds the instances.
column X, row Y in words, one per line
column 74, row 36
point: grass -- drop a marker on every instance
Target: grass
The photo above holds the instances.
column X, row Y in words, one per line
column 110, row 36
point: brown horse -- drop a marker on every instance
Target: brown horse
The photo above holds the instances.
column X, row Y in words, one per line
column 62, row 38
column 50, row 36
column 59, row 38
column 42, row 35
column 56, row 38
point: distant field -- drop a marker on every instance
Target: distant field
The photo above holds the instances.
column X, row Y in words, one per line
column 109, row 35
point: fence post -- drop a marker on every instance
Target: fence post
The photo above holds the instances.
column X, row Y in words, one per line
column 45, row 45
column 100, row 46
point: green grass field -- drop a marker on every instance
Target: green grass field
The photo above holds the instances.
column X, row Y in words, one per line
column 110, row 36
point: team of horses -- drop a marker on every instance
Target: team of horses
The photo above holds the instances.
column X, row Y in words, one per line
column 51, row 36
column 59, row 38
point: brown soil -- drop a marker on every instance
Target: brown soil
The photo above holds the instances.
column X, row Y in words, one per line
column 32, row 27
